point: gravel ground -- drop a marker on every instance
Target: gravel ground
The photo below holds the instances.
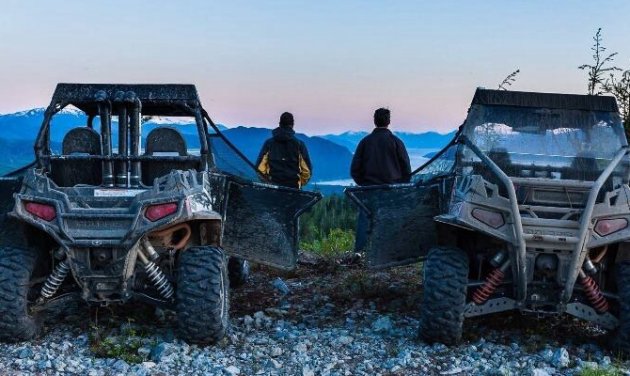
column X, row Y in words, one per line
column 320, row 320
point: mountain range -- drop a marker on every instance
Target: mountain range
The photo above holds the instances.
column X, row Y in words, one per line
column 331, row 154
column 425, row 140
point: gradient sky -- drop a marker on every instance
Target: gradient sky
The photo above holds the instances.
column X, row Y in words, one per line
column 331, row 63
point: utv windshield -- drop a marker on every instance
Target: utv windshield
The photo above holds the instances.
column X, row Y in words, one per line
column 548, row 143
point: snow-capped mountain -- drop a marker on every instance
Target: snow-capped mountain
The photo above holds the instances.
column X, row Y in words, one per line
column 425, row 140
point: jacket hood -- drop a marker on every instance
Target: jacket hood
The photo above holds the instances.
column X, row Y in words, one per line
column 283, row 134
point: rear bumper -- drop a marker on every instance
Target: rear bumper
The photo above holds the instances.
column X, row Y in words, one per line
column 576, row 309
column 87, row 219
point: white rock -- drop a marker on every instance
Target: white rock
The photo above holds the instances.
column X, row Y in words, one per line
column 307, row 371
column 382, row 324
column 248, row 320
column 345, row 340
column 276, row 351
column 540, row 372
column 452, row 371
column 560, row 358
column 232, row 370
column 148, row 364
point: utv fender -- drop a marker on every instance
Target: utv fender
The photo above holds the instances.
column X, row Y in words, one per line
column 206, row 216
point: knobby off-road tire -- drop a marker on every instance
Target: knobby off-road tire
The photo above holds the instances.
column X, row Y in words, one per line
column 621, row 339
column 442, row 309
column 17, row 267
column 238, row 271
column 202, row 302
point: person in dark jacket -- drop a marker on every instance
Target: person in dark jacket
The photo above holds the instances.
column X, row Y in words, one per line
column 283, row 159
column 380, row 158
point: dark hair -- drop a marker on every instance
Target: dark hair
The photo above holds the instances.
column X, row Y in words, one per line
column 381, row 117
column 286, row 120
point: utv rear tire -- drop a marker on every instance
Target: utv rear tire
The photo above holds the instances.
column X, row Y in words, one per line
column 202, row 302
column 621, row 340
column 17, row 268
column 238, row 271
column 445, row 282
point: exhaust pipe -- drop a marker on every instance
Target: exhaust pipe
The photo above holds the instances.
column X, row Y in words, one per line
column 122, row 173
column 135, row 107
column 105, row 112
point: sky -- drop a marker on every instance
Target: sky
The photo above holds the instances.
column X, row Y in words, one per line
column 330, row 63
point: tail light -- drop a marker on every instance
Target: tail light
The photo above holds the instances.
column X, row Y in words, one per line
column 159, row 211
column 491, row 218
column 608, row 226
column 43, row 211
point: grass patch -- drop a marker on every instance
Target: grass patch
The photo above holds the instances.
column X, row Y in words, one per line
column 610, row 371
column 335, row 243
column 123, row 343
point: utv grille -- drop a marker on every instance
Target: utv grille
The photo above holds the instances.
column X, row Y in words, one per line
column 556, row 197
column 98, row 228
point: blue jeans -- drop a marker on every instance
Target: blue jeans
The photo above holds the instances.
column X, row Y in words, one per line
column 361, row 232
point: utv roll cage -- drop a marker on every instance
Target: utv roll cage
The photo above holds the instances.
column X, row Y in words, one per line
column 129, row 103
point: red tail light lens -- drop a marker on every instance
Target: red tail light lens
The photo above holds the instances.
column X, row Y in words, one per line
column 608, row 226
column 491, row 218
column 159, row 211
column 43, row 211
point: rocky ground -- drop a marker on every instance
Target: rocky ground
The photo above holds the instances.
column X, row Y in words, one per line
column 323, row 319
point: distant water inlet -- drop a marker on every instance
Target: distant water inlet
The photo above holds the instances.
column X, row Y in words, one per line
column 417, row 158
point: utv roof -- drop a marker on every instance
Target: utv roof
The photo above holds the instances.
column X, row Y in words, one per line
column 157, row 99
column 545, row 100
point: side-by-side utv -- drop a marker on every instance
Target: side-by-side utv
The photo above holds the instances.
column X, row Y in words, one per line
column 117, row 210
column 527, row 209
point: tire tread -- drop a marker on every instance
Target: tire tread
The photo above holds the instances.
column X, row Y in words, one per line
column 445, row 284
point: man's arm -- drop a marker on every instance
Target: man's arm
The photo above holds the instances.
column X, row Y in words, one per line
column 356, row 168
column 262, row 162
column 306, row 168
column 403, row 160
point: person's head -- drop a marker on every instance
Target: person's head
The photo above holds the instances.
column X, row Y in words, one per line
column 381, row 118
column 286, row 120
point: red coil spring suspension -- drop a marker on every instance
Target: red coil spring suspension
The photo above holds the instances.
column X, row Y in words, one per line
column 492, row 282
column 591, row 290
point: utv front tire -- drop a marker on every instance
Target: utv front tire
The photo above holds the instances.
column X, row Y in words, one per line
column 17, row 268
column 202, row 295
column 621, row 340
column 445, row 282
column 238, row 271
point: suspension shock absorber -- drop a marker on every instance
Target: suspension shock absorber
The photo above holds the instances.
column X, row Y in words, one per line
column 593, row 294
column 55, row 279
column 493, row 280
column 155, row 274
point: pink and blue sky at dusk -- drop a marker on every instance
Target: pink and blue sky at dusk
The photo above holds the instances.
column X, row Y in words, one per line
column 331, row 63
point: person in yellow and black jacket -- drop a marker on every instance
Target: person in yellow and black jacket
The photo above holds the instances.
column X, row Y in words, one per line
column 283, row 159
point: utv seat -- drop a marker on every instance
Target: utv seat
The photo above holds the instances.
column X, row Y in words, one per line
column 68, row 173
column 583, row 167
column 502, row 159
column 160, row 141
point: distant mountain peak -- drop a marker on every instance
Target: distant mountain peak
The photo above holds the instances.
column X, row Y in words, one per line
column 39, row 111
column 171, row 120
column 29, row 112
column 424, row 140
